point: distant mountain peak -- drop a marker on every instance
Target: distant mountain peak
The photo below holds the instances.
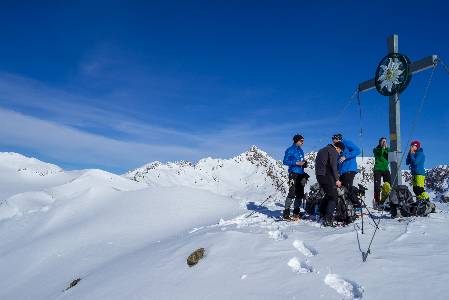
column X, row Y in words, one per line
column 252, row 169
column 27, row 165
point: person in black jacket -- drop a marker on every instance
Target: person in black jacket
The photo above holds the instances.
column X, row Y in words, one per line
column 326, row 170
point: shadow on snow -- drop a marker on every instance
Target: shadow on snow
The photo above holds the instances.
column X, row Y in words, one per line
column 264, row 210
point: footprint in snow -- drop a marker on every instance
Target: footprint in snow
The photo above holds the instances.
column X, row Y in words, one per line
column 298, row 266
column 277, row 235
column 307, row 251
column 348, row 289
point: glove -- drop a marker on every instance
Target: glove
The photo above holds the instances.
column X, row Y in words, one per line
column 291, row 182
column 304, row 179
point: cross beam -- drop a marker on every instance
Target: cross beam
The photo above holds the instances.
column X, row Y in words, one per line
column 415, row 67
column 394, row 107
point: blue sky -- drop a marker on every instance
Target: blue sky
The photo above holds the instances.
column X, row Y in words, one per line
column 116, row 84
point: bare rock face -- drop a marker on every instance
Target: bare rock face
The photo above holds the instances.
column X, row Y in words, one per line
column 195, row 257
column 274, row 169
column 437, row 179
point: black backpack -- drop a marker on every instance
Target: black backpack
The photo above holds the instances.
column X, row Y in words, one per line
column 402, row 200
column 313, row 199
column 344, row 212
column 355, row 195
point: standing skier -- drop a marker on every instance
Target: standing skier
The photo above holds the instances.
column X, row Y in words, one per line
column 347, row 163
column 415, row 159
column 381, row 169
column 326, row 171
column 297, row 178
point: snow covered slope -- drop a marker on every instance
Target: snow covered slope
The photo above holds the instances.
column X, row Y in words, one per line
column 128, row 237
column 59, row 225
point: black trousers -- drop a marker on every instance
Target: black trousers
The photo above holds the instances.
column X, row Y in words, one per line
column 378, row 177
column 329, row 201
column 347, row 179
column 296, row 190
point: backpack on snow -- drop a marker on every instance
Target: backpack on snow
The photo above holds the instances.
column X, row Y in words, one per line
column 402, row 200
column 346, row 202
column 313, row 199
column 344, row 212
column 355, row 195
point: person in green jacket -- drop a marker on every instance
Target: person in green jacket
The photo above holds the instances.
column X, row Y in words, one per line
column 381, row 169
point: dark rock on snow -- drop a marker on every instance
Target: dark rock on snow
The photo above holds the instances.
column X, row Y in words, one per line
column 196, row 255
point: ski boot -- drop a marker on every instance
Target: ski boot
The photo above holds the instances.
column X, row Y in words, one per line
column 296, row 214
column 328, row 221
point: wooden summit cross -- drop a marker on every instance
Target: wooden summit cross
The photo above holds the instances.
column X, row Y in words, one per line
column 394, row 107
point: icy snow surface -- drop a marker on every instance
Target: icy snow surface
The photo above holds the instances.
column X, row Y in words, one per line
column 128, row 237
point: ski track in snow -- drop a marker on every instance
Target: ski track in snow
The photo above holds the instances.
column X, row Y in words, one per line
column 348, row 289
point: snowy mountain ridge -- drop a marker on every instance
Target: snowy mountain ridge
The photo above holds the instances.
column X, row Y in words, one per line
column 252, row 172
column 252, row 169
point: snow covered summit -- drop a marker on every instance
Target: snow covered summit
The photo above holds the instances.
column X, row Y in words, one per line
column 30, row 165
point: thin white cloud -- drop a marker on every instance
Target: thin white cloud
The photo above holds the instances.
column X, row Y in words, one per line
column 75, row 146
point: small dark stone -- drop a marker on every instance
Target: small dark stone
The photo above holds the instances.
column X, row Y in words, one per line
column 444, row 199
column 195, row 257
column 73, row 283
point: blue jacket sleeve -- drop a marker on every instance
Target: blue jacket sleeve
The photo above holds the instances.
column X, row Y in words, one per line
column 354, row 151
column 417, row 158
column 288, row 159
column 409, row 160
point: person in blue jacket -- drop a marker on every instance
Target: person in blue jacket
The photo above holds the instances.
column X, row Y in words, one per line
column 347, row 161
column 415, row 160
column 297, row 178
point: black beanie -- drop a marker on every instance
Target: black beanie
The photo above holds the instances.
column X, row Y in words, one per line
column 337, row 136
column 340, row 145
column 297, row 137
